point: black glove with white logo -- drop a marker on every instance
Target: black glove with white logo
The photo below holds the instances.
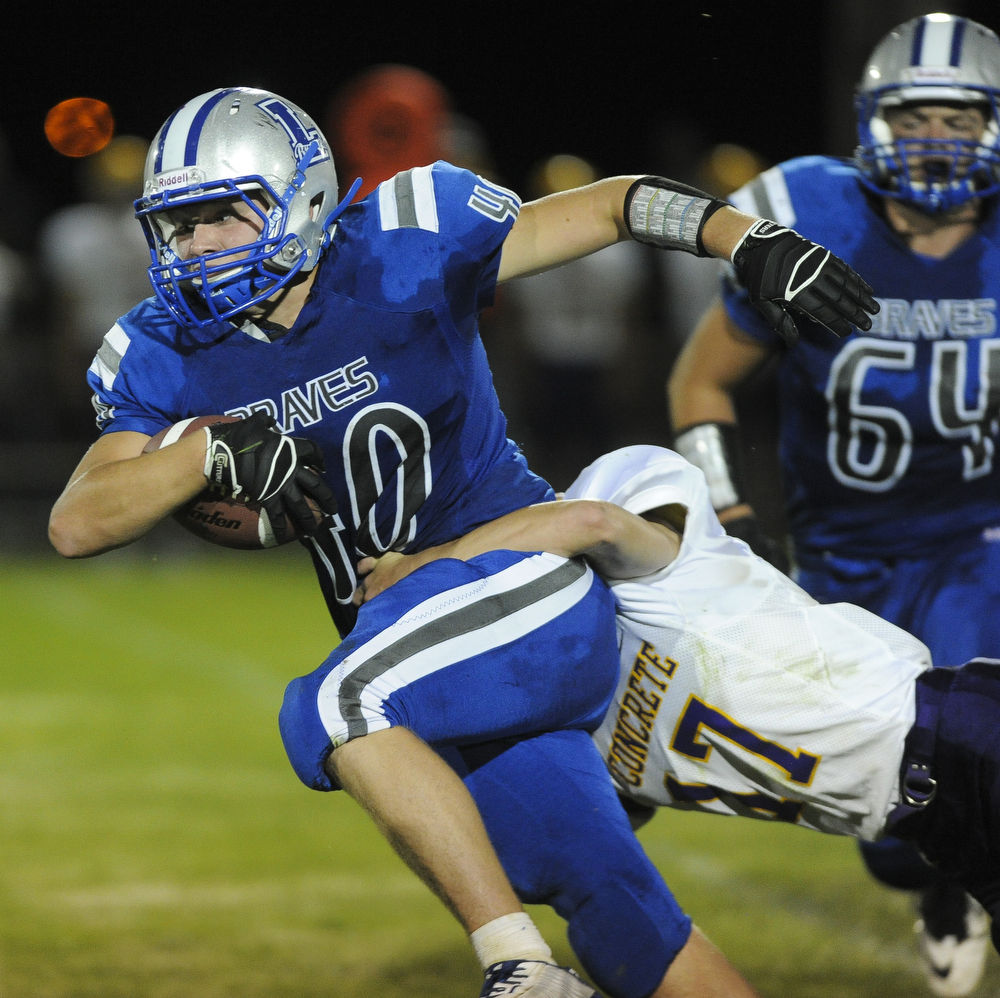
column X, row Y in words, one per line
column 785, row 273
column 250, row 460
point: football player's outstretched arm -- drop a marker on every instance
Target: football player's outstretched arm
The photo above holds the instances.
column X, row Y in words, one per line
column 619, row 544
column 784, row 274
column 570, row 224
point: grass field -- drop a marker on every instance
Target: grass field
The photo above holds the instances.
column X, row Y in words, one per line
column 154, row 842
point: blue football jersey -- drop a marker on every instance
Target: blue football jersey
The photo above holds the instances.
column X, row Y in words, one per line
column 384, row 369
column 888, row 438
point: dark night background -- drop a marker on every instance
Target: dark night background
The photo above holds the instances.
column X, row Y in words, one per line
column 604, row 81
column 632, row 87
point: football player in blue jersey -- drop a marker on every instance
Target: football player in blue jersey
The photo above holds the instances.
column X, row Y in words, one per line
column 888, row 437
column 345, row 336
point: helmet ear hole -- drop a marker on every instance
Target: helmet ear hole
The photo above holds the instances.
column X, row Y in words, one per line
column 881, row 130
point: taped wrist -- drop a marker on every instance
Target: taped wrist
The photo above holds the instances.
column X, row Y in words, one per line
column 714, row 448
column 509, row 937
column 664, row 213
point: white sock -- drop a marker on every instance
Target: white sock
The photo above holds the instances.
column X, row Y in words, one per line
column 509, row 937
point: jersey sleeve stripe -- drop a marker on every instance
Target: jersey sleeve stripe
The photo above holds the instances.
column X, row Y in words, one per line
column 767, row 196
column 407, row 201
column 109, row 356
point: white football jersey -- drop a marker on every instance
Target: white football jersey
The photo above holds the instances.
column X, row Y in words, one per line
column 739, row 693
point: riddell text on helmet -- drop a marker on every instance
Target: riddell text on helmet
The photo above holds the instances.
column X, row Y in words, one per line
column 179, row 178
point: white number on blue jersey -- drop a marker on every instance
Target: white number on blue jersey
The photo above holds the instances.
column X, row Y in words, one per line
column 408, row 433
column 870, row 446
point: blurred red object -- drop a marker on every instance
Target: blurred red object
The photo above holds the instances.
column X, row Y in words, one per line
column 387, row 119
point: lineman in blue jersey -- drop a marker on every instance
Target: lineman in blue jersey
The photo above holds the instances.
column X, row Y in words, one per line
column 739, row 694
column 346, row 337
column 888, row 438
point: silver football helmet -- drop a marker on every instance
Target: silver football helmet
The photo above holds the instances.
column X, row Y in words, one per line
column 246, row 144
column 934, row 59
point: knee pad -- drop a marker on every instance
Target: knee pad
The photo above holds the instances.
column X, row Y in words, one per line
column 626, row 934
column 565, row 841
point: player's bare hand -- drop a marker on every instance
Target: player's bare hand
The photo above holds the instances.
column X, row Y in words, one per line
column 785, row 273
column 377, row 574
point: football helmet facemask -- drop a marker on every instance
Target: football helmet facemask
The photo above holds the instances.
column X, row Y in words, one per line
column 937, row 59
column 258, row 148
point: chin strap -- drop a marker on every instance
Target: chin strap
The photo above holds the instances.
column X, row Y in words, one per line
column 342, row 206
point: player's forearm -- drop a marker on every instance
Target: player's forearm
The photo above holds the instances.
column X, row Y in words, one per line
column 522, row 530
column 617, row 543
column 692, row 400
column 542, row 527
column 561, row 227
column 724, row 230
column 113, row 503
column 717, row 358
column 695, row 402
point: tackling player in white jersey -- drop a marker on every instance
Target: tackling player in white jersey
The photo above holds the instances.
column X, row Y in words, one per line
column 739, row 694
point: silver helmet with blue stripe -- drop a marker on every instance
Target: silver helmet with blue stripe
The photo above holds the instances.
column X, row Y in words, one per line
column 252, row 145
column 934, row 60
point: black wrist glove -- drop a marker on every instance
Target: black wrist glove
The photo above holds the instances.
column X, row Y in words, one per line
column 747, row 529
column 250, row 460
column 785, row 273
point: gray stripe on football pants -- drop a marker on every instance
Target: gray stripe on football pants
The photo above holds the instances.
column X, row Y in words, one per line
column 465, row 620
